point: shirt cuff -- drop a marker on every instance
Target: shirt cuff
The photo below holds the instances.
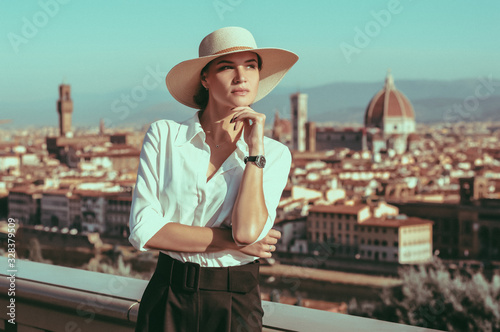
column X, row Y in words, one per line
column 143, row 232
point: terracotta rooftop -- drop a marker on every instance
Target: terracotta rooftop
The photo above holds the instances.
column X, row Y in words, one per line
column 385, row 222
column 53, row 191
column 388, row 102
column 345, row 209
column 297, row 219
column 93, row 193
column 121, row 198
column 29, row 190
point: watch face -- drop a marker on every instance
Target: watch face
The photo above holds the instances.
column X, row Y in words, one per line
column 261, row 161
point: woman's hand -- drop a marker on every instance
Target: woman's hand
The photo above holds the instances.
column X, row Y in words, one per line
column 264, row 247
column 254, row 128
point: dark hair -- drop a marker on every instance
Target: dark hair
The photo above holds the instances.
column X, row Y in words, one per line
column 201, row 95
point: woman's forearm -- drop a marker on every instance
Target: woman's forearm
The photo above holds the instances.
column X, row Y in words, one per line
column 195, row 239
column 249, row 212
column 184, row 238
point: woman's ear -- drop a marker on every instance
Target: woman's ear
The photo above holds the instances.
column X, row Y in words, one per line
column 204, row 81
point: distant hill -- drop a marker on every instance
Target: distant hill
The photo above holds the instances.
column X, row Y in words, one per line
column 340, row 102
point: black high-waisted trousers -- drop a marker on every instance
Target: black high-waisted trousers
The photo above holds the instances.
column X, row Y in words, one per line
column 186, row 297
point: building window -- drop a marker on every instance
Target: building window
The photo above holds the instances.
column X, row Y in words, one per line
column 384, row 255
column 369, row 241
column 369, row 230
column 317, row 236
column 446, row 225
column 362, row 241
column 355, row 227
column 467, row 227
column 395, row 231
column 324, row 224
column 347, row 238
column 346, row 227
column 369, row 253
column 340, row 238
column 396, row 244
column 375, row 229
column 384, row 243
column 384, row 230
column 355, row 239
column 340, row 226
column 376, row 242
column 317, row 224
column 325, row 238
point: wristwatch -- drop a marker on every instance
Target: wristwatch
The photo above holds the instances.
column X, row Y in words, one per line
column 259, row 161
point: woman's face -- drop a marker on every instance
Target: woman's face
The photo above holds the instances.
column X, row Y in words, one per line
column 233, row 80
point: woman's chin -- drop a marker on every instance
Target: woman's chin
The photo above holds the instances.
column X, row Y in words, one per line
column 243, row 103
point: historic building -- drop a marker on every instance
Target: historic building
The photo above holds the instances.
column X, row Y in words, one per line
column 390, row 118
column 25, row 204
column 468, row 229
column 372, row 233
column 389, row 124
column 68, row 149
column 65, row 110
column 299, row 119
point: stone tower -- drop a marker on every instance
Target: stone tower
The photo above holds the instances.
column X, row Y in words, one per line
column 299, row 119
column 65, row 109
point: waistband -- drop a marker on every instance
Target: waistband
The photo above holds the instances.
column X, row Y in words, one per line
column 191, row 277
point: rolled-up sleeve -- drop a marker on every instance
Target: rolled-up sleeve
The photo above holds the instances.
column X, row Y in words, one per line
column 146, row 213
column 274, row 181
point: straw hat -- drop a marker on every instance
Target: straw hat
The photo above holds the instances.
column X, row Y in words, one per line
column 183, row 80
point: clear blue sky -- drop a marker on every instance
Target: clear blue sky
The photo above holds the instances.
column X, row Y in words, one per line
column 108, row 45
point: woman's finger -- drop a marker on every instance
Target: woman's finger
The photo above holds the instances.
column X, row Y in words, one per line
column 272, row 240
column 255, row 118
column 274, row 233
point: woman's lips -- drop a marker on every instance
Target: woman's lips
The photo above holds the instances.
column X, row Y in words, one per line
column 240, row 92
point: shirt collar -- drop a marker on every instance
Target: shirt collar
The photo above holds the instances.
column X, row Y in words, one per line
column 188, row 130
column 192, row 127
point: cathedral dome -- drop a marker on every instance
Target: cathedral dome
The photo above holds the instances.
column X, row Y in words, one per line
column 390, row 107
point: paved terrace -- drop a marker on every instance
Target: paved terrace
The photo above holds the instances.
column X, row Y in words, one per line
column 55, row 298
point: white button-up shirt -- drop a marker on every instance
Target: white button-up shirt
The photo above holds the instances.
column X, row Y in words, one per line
column 172, row 186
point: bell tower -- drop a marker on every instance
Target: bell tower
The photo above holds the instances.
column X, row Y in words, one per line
column 64, row 109
column 299, row 118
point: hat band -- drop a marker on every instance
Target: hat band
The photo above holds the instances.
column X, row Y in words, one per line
column 236, row 48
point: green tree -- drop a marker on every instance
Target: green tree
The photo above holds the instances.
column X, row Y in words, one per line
column 431, row 296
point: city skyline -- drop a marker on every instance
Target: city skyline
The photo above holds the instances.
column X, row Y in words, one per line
column 367, row 200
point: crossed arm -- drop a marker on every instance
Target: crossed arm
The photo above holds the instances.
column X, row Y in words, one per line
column 183, row 238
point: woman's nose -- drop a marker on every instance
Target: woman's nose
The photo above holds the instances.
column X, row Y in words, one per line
column 240, row 75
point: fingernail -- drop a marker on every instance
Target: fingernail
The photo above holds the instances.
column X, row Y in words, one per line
column 231, row 120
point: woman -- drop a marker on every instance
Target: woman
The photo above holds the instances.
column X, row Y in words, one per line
column 205, row 196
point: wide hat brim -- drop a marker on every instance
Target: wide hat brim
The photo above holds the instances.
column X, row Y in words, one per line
column 183, row 80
